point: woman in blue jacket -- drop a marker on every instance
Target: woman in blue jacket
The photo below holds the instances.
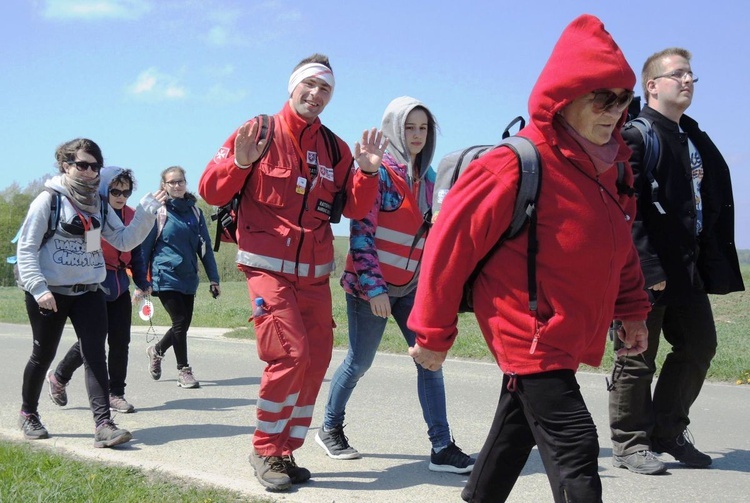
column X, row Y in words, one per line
column 172, row 249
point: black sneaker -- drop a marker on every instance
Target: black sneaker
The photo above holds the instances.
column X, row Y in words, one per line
column 297, row 474
column 335, row 443
column 682, row 449
column 451, row 459
column 109, row 435
column 643, row 462
column 32, row 426
column 270, row 471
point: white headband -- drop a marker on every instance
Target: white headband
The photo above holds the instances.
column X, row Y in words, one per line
column 315, row 70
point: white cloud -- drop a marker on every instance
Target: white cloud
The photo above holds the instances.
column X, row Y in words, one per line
column 153, row 84
column 95, row 9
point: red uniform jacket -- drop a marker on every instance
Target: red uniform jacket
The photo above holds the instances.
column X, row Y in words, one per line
column 283, row 218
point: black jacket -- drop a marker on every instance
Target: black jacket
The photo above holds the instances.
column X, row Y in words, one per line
column 667, row 243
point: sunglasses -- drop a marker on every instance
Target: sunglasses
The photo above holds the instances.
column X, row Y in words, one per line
column 83, row 165
column 677, row 75
column 604, row 100
column 118, row 192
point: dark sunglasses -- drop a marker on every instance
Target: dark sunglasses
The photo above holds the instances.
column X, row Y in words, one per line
column 83, row 166
column 604, row 99
column 118, row 192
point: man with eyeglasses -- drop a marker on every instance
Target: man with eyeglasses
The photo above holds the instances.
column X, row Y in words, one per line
column 687, row 251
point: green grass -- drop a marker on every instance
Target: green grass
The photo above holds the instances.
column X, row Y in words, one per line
column 29, row 473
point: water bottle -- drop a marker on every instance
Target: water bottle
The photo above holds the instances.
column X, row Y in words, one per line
column 259, row 309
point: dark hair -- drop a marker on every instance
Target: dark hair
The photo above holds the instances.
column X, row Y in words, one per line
column 315, row 58
column 67, row 151
column 432, row 129
column 124, row 177
column 188, row 194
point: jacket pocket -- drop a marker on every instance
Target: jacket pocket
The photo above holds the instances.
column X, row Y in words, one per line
column 272, row 185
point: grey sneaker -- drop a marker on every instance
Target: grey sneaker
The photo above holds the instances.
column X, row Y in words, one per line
column 119, row 404
column 451, row 459
column 109, row 435
column 154, row 362
column 32, row 426
column 682, row 449
column 643, row 462
column 270, row 471
column 57, row 391
column 186, row 379
column 297, row 474
column 335, row 443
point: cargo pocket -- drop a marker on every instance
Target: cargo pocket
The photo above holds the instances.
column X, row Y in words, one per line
column 270, row 339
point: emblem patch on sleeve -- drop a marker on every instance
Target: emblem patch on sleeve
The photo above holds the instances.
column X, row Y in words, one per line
column 221, row 154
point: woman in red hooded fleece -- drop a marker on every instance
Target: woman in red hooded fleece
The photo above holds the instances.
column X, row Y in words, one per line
column 588, row 271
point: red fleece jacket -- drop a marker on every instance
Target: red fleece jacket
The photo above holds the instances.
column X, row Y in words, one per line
column 587, row 268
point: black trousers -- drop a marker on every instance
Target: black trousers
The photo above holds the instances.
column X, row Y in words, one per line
column 119, row 315
column 179, row 306
column 634, row 416
column 88, row 314
column 546, row 410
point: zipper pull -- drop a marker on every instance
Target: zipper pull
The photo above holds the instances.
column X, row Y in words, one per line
column 535, row 340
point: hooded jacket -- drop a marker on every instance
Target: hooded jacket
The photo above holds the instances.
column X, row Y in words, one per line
column 587, row 265
column 118, row 262
column 383, row 257
column 173, row 255
column 62, row 261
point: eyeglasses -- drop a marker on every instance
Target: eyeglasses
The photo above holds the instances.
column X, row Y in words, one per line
column 678, row 75
column 118, row 192
column 175, row 183
column 83, row 165
column 604, row 99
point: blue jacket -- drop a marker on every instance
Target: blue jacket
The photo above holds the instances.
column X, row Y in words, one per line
column 174, row 254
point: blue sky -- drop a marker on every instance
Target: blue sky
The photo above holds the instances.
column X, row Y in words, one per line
column 162, row 82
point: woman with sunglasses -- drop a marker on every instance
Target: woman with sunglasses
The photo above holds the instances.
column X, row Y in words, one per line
column 172, row 249
column 116, row 185
column 62, row 279
column 587, row 269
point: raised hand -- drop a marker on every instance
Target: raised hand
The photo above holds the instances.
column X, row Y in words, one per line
column 370, row 152
column 246, row 149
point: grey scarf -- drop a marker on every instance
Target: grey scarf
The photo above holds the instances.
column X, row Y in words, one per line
column 83, row 193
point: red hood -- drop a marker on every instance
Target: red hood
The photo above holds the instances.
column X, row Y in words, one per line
column 585, row 58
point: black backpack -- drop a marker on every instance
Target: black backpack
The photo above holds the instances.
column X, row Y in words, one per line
column 226, row 216
column 530, row 169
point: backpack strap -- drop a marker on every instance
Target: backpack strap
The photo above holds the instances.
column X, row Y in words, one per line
column 651, row 152
column 524, row 210
column 54, row 213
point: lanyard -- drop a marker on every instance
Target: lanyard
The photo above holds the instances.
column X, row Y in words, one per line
column 86, row 222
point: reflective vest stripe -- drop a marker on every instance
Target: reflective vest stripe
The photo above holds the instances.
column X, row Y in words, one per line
column 397, row 237
column 386, row 258
column 284, row 266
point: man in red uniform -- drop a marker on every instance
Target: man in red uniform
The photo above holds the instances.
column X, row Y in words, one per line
column 285, row 248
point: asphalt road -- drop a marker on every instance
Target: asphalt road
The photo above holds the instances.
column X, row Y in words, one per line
column 205, row 434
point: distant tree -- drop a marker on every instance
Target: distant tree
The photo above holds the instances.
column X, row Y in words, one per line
column 14, row 204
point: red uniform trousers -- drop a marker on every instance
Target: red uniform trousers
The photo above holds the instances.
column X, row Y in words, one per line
column 295, row 339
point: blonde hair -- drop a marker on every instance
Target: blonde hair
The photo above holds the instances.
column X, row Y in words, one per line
column 652, row 67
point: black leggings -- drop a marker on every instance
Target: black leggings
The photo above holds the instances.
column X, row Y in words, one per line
column 179, row 306
column 119, row 314
column 88, row 314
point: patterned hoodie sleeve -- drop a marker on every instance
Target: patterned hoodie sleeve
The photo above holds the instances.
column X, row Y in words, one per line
column 364, row 253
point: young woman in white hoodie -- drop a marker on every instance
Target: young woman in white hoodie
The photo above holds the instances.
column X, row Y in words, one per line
column 61, row 278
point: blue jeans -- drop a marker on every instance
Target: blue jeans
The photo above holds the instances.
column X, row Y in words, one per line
column 365, row 332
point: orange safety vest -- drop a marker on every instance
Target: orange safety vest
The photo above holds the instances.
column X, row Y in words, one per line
column 398, row 254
